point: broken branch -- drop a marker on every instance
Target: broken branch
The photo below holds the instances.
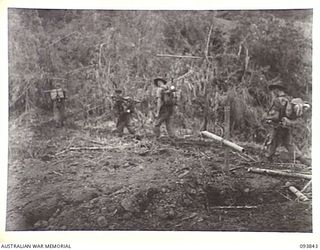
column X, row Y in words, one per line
column 58, row 40
column 179, row 56
column 306, row 186
column 89, row 148
column 190, row 216
column 235, row 168
column 57, row 173
column 294, row 190
column 241, row 156
column 284, row 196
column 184, row 75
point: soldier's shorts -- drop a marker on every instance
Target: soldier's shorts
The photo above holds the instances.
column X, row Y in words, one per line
column 283, row 136
column 59, row 112
column 165, row 116
column 124, row 122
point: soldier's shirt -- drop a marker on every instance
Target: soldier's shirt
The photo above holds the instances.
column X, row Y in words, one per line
column 279, row 105
column 159, row 92
column 118, row 105
column 159, row 95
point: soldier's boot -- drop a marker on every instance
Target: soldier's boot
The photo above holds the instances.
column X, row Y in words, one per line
column 271, row 147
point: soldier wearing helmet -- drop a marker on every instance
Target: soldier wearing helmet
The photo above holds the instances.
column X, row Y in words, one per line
column 282, row 122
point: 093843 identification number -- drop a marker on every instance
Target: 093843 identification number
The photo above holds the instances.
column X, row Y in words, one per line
column 308, row 246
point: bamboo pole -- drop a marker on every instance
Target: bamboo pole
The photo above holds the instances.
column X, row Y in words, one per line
column 190, row 72
column 277, row 172
column 306, row 186
column 100, row 51
column 227, row 134
column 223, row 141
column 208, row 42
column 294, row 190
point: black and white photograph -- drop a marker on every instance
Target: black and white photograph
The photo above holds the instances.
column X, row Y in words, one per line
column 160, row 120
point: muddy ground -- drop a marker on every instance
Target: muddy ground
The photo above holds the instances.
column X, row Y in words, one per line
column 78, row 178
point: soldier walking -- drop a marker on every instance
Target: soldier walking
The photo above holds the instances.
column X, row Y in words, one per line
column 165, row 106
column 279, row 117
column 58, row 97
column 124, row 108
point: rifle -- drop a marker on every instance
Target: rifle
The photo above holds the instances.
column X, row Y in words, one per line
column 127, row 103
column 124, row 99
column 274, row 124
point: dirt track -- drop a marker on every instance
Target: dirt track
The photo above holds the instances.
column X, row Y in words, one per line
column 72, row 179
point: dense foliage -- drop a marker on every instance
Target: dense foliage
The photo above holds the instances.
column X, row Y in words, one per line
column 92, row 52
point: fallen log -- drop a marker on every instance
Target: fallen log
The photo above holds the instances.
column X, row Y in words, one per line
column 233, row 207
column 93, row 148
column 277, row 172
column 223, row 141
column 284, row 196
column 90, row 148
column 294, row 190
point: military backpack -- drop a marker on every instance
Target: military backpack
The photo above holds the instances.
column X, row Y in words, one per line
column 57, row 94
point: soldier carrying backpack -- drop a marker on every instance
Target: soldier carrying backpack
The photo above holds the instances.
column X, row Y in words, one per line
column 58, row 97
column 165, row 102
column 296, row 108
column 282, row 115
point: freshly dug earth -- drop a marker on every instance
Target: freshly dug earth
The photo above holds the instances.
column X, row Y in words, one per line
column 89, row 179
